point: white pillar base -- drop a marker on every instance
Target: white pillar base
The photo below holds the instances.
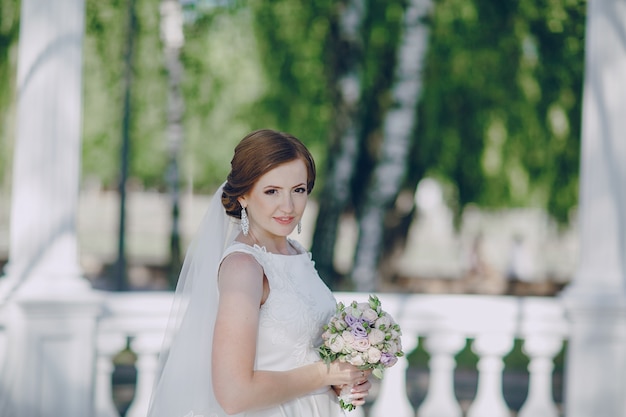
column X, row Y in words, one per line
column 49, row 369
column 596, row 364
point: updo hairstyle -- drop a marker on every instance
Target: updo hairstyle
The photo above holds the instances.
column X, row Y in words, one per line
column 257, row 153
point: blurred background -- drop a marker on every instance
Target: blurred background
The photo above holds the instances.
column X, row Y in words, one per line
column 446, row 134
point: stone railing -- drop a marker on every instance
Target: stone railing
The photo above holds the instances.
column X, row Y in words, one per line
column 442, row 323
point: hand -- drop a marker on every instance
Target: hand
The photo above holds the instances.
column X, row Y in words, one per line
column 360, row 391
column 341, row 374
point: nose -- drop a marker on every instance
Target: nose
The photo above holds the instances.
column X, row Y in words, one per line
column 286, row 203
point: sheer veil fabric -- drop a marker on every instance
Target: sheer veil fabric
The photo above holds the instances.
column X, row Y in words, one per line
column 184, row 388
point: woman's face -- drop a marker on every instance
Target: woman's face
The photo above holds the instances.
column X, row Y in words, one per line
column 277, row 200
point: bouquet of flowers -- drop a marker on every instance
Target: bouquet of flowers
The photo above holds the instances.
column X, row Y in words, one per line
column 363, row 335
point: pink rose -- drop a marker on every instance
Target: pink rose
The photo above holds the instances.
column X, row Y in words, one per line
column 362, row 345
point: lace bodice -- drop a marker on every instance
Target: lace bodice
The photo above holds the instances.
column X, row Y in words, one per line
column 298, row 305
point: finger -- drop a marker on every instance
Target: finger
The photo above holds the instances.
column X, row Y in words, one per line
column 363, row 381
column 361, row 376
column 359, row 394
column 358, row 398
column 363, row 386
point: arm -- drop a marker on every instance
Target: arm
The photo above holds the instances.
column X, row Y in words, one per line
column 238, row 387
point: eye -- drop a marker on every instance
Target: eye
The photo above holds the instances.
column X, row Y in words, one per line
column 300, row 190
column 271, row 191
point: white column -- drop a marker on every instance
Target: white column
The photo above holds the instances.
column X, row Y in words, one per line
column 44, row 195
column 49, row 370
column 596, row 298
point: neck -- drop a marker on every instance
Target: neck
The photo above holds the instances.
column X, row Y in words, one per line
column 279, row 245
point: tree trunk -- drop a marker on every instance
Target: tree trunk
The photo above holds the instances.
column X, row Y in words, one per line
column 343, row 155
column 398, row 128
column 173, row 39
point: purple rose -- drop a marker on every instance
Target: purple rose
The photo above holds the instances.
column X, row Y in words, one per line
column 359, row 331
column 351, row 320
column 388, row 359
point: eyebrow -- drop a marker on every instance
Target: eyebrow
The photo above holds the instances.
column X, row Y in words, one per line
column 302, row 184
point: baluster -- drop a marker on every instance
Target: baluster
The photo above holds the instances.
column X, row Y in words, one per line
column 108, row 346
column 3, row 342
column 541, row 349
column 392, row 399
column 147, row 348
column 440, row 400
column 489, row 401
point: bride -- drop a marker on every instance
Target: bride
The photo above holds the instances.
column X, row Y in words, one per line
column 250, row 306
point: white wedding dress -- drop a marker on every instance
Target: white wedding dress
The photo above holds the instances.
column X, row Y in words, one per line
column 290, row 326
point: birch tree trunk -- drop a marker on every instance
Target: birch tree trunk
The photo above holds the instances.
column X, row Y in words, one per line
column 342, row 158
column 173, row 40
column 398, row 127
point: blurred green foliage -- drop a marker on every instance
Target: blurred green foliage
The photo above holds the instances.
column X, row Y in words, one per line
column 9, row 28
column 499, row 119
column 500, row 115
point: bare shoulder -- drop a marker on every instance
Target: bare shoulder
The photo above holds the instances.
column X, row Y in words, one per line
column 240, row 264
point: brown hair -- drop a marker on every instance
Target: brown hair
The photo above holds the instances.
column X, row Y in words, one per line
column 257, row 153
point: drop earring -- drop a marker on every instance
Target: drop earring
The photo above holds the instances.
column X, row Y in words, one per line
column 245, row 223
column 299, row 227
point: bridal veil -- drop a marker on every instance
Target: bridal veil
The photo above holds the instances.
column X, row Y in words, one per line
column 184, row 388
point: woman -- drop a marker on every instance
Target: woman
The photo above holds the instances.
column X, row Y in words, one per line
column 250, row 305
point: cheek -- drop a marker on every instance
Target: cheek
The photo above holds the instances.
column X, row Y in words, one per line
column 300, row 202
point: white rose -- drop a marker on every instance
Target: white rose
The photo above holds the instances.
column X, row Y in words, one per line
column 383, row 322
column 395, row 334
column 399, row 345
column 357, row 360
column 392, row 348
column 326, row 335
column 354, row 312
column 373, row 355
column 370, row 315
column 347, row 336
column 376, row 336
column 339, row 324
column 336, row 344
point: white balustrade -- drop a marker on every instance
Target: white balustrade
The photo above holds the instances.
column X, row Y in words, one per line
column 489, row 401
column 541, row 350
column 444, row 322
column 142, row 317
column 440, row 400
column 393, row 399
column 147, row 346
column 108, row 345
column 543, row 331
